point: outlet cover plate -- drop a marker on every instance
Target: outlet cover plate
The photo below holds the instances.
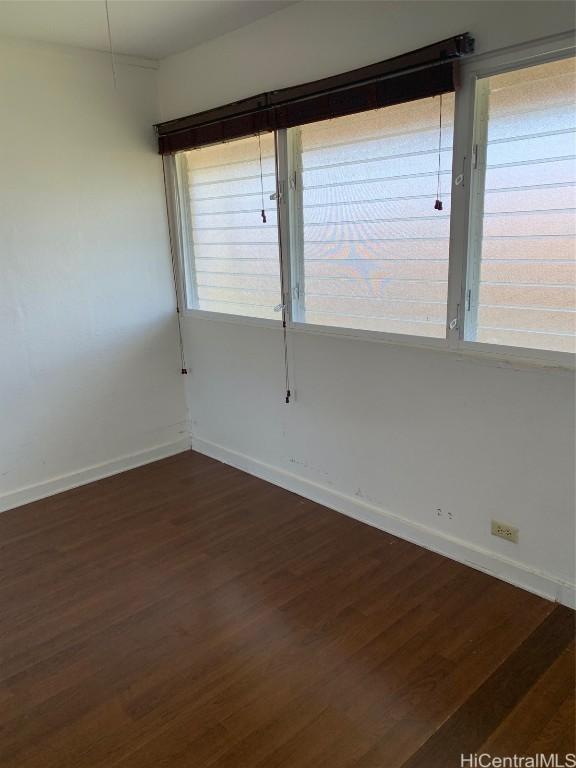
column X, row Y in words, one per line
column 504, row 531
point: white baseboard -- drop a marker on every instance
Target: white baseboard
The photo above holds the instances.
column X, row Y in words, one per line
column 540, row 583
column 89, row 474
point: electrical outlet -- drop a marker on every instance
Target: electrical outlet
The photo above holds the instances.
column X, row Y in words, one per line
column 504, row 531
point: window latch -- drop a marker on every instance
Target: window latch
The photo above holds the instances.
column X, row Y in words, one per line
column 453, row 323
column 459, row 180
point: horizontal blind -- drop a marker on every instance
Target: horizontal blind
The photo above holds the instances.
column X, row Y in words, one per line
column 375, row 249
column 527, row 293
column 233, row 253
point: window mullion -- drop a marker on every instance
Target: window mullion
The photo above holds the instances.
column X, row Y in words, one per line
column 296, row 229
column 284, row 221
column 477, row 187
column 460, row 210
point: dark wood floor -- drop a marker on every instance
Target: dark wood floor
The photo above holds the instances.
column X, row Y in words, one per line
column 187, row 614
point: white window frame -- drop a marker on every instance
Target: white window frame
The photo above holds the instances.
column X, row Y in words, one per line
column 468, row 195
column 465, row 224
column 181, row 242
column 290, row 166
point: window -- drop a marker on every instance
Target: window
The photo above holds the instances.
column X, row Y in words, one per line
column 371, row 251
column 365, row 246
column 231, row 255
column 522, row 286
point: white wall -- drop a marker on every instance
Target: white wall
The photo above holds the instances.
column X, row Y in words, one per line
column 89, row 367
column 314, row 39
column 390, row 434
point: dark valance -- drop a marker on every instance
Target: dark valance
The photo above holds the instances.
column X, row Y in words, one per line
column 426, row 72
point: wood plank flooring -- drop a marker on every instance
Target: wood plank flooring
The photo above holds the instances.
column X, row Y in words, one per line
column 187, row 614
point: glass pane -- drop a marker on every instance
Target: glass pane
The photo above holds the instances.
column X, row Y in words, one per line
column 234, row 253
column 375, row 248
column 527, row 292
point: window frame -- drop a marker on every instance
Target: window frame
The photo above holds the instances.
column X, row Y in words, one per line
column 291, row 179
column 181, row 243
column 469, row 207
column 465, row 225
column 185, row 241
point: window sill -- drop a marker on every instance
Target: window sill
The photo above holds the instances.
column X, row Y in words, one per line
column 381, row 337
column 517, row 358
column 512, row 357
column 224, row 317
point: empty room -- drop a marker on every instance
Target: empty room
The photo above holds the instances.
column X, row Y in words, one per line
column 287, row 384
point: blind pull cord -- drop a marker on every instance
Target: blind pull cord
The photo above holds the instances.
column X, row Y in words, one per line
column 184, row 368
column 284, row 304
column 438, row 204
column 262, row 212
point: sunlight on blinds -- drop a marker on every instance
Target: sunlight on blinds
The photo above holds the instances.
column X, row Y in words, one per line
column 527, row 291
column 375, row 250
column 235, row 265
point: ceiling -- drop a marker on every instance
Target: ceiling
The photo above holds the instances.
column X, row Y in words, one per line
column 145, row 28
